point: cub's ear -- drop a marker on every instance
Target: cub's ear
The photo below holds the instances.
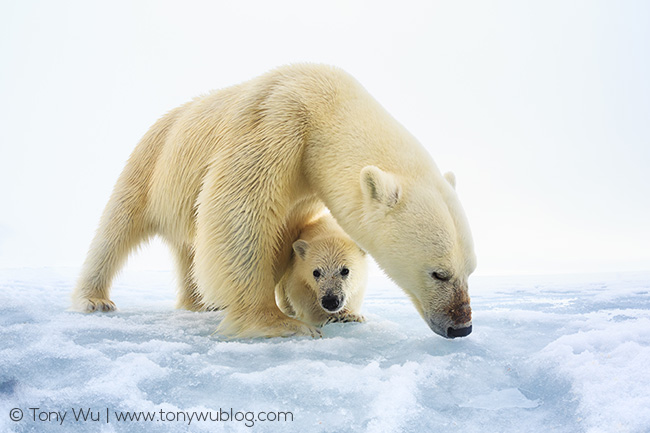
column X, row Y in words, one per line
column 451, row 178
column 379, row 186
column 300, row 247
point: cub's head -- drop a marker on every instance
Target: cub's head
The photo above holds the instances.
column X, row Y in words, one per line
column 416, row 230
column 333, row 267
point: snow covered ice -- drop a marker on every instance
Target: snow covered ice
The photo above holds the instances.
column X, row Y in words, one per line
column 547, row 354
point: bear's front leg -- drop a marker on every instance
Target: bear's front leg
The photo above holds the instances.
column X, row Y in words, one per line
column 236, row 250
column 245, row 293
column 245, row 213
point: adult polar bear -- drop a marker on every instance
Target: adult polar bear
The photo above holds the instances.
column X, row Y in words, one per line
column 230, row 178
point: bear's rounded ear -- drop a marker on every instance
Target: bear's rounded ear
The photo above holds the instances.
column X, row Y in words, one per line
column 300, row 247
column 379, row 186
column 451, row 178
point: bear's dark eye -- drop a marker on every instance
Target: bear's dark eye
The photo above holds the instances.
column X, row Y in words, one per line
column 442, row 276
column 316, row 273
column 345, row 271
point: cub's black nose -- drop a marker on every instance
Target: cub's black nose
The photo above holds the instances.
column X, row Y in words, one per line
column 461, row 332
column 330, row 302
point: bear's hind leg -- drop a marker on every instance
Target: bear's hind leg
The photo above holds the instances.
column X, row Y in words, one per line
column 120, row 230
column 188, row 296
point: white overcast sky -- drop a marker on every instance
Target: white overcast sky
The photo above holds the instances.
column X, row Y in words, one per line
column 542, row 109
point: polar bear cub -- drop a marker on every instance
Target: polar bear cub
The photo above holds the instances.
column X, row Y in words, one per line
column 327, row 276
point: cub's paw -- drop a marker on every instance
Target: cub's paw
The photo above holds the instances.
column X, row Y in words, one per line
column 345, row 317
column 90, row 305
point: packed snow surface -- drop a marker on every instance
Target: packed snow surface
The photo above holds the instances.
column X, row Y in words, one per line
column 547, row 354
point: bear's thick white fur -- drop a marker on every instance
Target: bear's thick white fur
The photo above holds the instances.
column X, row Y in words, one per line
column 230, row 178
column 342, row 270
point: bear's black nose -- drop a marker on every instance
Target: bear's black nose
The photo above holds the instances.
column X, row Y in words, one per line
column 462, row 332
column 330, row 302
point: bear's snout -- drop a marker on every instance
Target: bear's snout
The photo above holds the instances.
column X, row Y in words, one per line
column 331, row 303
column 453, row 322
column 461, row 314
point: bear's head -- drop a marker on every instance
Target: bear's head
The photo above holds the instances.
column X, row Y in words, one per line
column 419, row 235
column 332, row 267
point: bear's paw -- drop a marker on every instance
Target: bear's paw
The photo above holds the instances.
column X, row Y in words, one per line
column 90, row 305
column 294, row 328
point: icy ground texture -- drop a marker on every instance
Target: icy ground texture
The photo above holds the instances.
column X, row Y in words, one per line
column 548, row 354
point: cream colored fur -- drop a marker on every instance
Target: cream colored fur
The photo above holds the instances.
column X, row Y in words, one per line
column 230, row 178
column 323, row 246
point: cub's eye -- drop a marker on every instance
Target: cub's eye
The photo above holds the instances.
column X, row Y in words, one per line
column 345, row 271
column 441, row 276
column 316, row 273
